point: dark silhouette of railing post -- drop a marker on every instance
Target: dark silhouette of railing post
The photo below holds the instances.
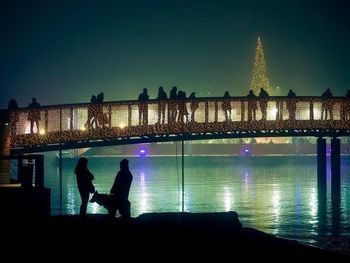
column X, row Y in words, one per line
column 242, row 110
column 311, row 111
column 46, row 121
column 109, row 116
column 206, row 113
column 279, row 112
column 71, row 118
column 321, row 167
column 60, row 165
column 129, row 116
column 335, row 168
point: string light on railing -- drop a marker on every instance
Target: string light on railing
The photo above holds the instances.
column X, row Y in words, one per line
column 209, row 119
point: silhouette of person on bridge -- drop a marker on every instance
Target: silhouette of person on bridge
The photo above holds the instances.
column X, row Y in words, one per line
column 226, row 106
column 34, row 115
column 172, row 109
column 13, row 114
column 92, row 114
column 291, row 104
column 252, row 105
column 263, row 95
column 181, row 99
column 120, row 189
column 194, row 105
column 101, row 117
column 84, row 181
column 162, row 101
column 143, row 108
column 327, row 105
column 345, row 107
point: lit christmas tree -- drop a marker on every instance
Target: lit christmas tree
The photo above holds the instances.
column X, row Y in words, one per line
column 260, row 71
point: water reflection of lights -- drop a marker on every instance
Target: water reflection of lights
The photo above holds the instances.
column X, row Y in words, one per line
column 95, row 208
column 276, row 203
column 180, row 203
column 72, row 201
column 313, row 206
column 143, row 194
column 228, row 198
column 246, row 179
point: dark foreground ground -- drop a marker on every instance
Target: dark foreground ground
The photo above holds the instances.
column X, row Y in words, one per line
column 154, row 236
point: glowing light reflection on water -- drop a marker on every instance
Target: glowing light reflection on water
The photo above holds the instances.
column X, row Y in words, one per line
column 273, row 194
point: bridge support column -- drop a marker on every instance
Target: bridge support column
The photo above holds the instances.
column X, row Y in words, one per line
column 5, row 144
column 335, row 168
column 321, row 169
column 183, row 175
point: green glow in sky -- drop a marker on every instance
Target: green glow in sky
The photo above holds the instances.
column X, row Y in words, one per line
column 65, row 51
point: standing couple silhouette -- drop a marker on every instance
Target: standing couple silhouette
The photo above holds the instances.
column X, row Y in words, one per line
column 119, row 191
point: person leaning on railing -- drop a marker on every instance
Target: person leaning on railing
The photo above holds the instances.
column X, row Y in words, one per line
column 34, row 115
column 263, row 95
column 226, row 106
column 194, row 105
column 291, row 104
column 162, row 97
column 327, row 105
column 252, row 105
column 345, row 107
column 143, row 107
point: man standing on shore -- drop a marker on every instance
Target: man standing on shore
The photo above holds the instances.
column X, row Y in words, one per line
column 121, row 187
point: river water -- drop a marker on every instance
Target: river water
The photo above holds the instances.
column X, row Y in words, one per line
column 274, row 194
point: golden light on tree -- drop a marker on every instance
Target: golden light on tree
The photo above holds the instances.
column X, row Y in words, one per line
column 259, row 78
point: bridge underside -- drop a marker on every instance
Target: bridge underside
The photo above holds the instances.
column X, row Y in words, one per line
column 41, row 146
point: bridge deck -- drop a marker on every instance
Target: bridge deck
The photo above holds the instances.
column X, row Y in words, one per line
column 120, row 122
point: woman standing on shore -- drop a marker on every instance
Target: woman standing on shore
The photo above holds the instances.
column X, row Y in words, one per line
column 84, row 181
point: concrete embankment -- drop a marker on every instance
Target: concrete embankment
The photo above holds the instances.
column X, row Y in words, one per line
column 167, row 235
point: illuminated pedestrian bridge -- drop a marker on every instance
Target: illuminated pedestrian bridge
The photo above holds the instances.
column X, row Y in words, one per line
column 127, row 122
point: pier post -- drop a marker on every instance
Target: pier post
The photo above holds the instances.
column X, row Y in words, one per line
column 335, row 168
column 39, row 171
column 183, row 175
column 321, row 169
column 5, row 141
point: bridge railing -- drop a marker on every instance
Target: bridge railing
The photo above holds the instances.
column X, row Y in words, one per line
column 125, row 119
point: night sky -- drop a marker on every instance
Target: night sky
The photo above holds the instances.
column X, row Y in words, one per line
column 64, row 51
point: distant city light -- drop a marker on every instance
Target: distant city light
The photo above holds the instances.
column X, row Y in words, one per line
column 142, row 152
column 42, row 132
column 246, row 152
